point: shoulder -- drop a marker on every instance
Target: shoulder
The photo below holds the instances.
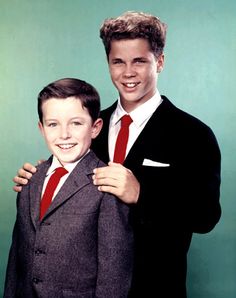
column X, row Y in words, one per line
column 179, row 119
column 183, row 131
column 92, row 161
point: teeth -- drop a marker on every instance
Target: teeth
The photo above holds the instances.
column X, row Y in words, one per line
column 130, row 85
column 66, row 146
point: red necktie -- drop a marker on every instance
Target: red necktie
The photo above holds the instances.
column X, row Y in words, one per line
column 50, row 188
column 122, row 139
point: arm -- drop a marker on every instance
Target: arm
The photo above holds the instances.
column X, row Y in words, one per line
column 119, row 181
column 202, row 192
column 115, row 249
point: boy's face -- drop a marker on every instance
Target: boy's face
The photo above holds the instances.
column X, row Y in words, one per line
column 67, row 128
column 134, row 71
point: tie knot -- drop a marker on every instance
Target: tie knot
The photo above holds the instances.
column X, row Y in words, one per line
column 60, row 171
column 126, row 120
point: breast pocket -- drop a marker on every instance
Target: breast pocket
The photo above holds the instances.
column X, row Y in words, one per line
column 156, row 174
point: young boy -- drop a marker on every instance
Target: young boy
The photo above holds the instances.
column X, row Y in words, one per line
column 80, row 243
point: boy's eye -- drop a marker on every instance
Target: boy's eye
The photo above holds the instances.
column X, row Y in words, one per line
column 76, row 123
column 139, row 61
column 117, row 61
column 52, row 124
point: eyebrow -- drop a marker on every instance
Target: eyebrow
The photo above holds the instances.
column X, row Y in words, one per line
column 134, row 59
column 139, row 58
column 116, row 59
column 73, row 118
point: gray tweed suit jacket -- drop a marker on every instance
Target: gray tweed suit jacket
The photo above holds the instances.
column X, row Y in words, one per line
column 81, row 248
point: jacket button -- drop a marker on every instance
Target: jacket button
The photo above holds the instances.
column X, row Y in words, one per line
column 35, row 280
column 38, row 252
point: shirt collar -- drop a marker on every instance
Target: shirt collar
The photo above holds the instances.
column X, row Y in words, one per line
column 56, row 163
column 141, row 113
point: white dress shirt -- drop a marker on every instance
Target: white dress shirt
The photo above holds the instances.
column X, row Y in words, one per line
column 140, row 117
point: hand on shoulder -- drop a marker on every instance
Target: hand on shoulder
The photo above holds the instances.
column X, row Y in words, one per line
column 23, row 175
column 117, row 180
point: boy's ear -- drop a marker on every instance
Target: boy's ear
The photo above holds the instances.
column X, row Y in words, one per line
column 96, row 128
column 160, row 63
column 40, row 126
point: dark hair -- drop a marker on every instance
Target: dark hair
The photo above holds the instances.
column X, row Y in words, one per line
column 131, row 25
column 70, row 87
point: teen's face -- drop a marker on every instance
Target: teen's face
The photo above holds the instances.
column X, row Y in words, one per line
column 134, row 71
column 67, row 128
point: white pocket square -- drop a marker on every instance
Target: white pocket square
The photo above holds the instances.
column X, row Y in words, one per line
column 152, row 163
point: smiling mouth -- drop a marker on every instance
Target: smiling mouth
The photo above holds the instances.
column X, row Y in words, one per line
column 130, row 85
column 66, row 146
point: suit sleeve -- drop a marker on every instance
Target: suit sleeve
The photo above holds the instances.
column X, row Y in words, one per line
column 12, row 267
column 115, row 249
column 200, row 182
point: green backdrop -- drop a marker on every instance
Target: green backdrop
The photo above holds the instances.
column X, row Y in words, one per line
column 41, row 41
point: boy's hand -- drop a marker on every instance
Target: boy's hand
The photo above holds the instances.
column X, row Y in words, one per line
column 23, row 175
column 117, row 180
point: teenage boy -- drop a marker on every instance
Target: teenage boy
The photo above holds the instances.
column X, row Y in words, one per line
column 80, row 244
column 171, row 172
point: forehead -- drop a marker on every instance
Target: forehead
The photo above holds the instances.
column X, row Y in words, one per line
column 57, row 101
column 63, row 106
column 130, row 47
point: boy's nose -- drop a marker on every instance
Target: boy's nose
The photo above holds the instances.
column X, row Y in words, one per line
column 65, row 133
column 129, row 71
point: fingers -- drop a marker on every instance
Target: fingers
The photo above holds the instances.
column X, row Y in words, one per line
column 127, row 190
column 113, row 171
column 23, row 175
column 20, row 180
column 106, row 181
column 112, row 175
column 17, row 188
column 109, row 178
column 25, row 172
column 30, row 168
column 117, row 180
column 111, row 189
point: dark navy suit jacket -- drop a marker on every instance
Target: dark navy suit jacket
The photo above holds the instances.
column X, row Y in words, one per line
column 180, row 189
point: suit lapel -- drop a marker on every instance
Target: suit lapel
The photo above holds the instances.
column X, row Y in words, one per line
column 36, row 185
column 151, row 134
column 77, row 179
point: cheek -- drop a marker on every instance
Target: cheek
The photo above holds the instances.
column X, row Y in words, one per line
column 49, row 135
column 88, row 137
column 82, row 134
column 114, row 73
column 151, row 77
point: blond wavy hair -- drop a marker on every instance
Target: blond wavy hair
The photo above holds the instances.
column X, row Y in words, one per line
column 131, row 25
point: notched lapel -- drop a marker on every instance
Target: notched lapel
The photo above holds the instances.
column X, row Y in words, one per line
column 74, row 183
column 35, row 194
column 36, row 185
column 150, row 138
